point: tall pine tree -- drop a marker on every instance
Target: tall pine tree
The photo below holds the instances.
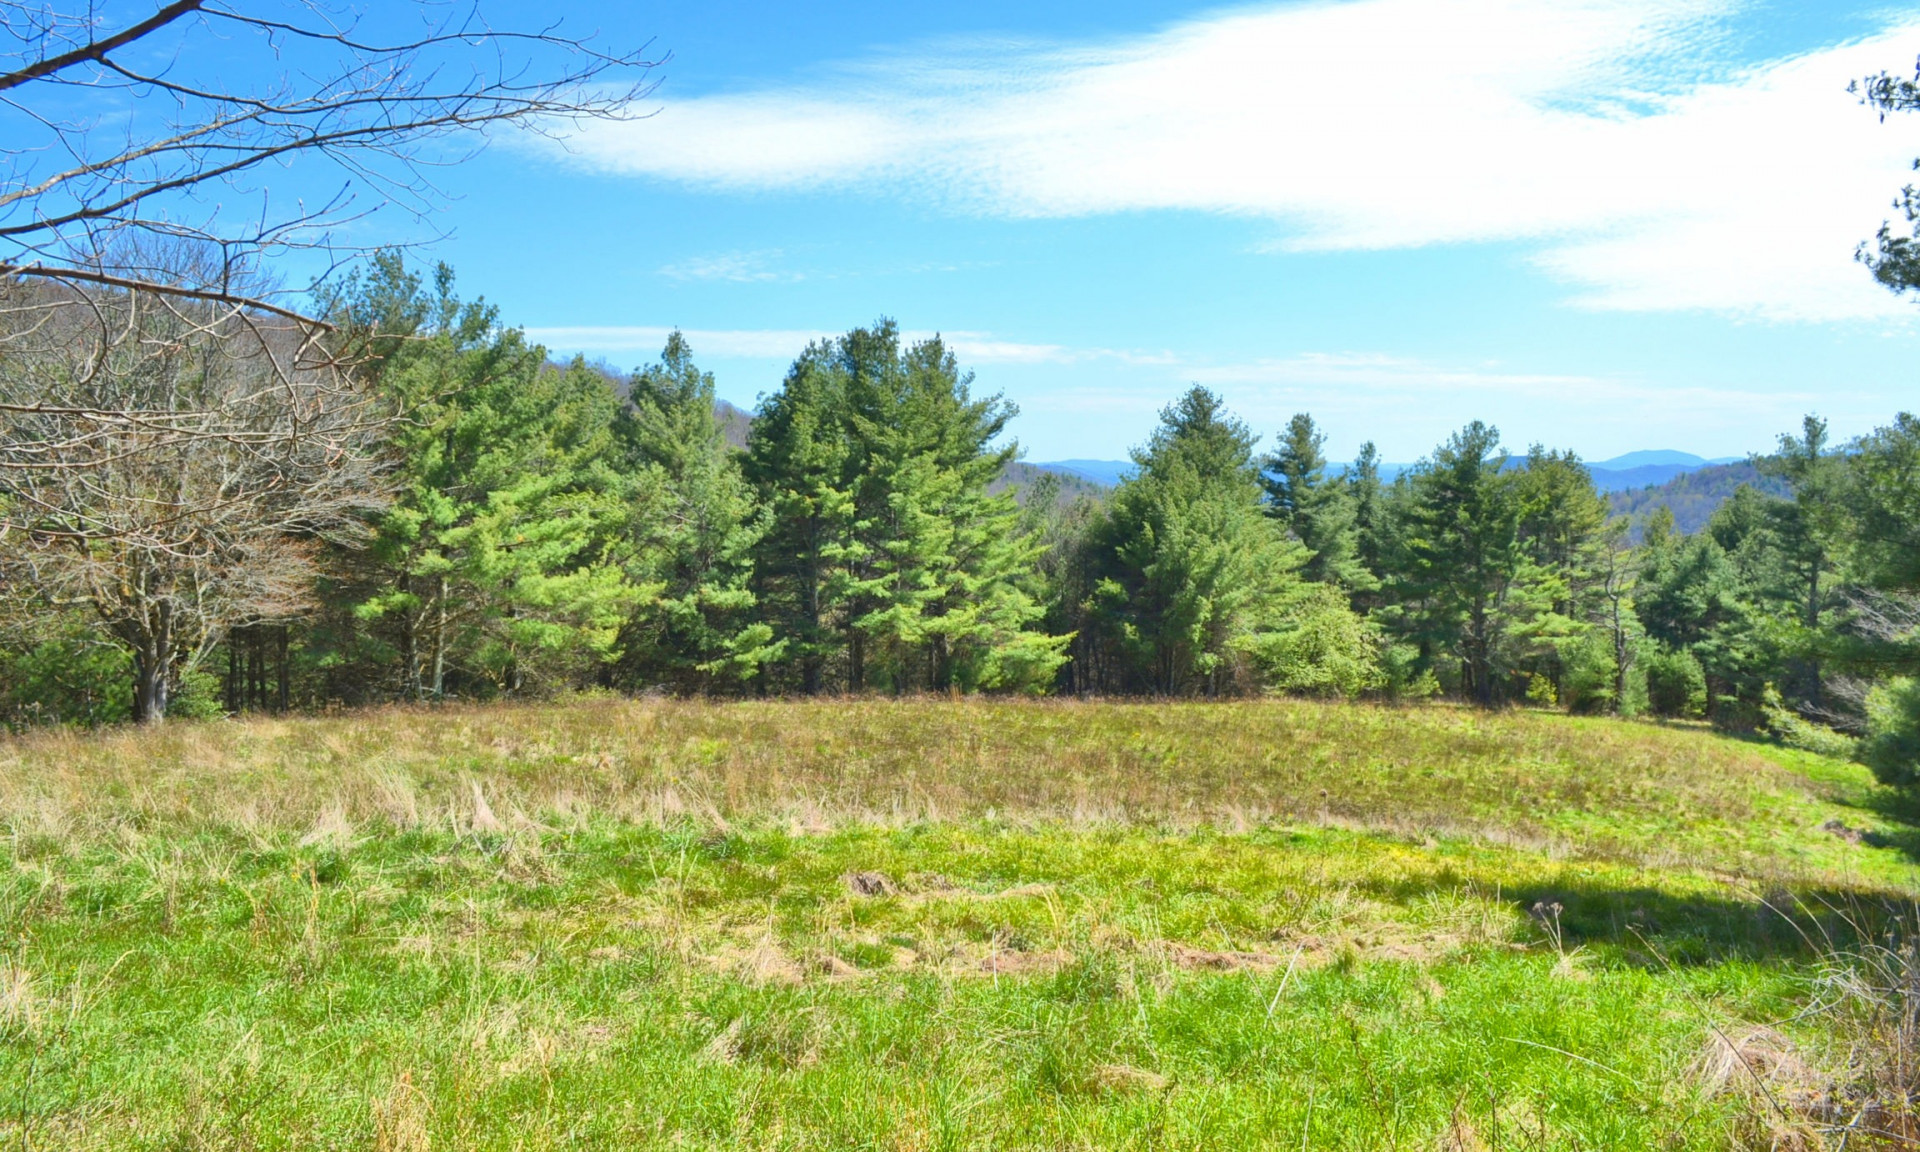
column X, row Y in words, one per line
column 695, row 525
column 1318, row 509
column 896, row 568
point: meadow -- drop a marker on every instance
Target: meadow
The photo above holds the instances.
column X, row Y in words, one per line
column 937, row 924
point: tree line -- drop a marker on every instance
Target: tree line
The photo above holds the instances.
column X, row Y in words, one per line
column 514, row 527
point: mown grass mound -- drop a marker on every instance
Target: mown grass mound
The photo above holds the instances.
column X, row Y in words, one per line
column 928, row 924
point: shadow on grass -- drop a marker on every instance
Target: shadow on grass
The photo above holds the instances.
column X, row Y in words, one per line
column 1650, row 926
column 1897, row 809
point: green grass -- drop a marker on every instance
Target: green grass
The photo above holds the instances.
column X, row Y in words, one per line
column 913, row 925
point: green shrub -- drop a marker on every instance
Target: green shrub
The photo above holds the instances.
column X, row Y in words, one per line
column 1589, row 666
column 1676, row 686
column 1892, row 744
column 1325, row 649
column 197, row 697
column 1407, row 678
column 1796, row 731
column 69, row 677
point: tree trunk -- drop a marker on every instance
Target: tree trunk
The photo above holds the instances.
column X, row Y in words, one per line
column 1619, row 660
column 1816, row 691
column 233, row 672
column 409, row 650
column 150, row 688
column 286, row 673
column 440, row 644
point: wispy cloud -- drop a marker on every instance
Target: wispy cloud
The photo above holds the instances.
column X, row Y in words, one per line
column 736, row 267
column 726, row 344
column 787, row 343
column 1364, row 381
column 1109, row 396
column 1649, row 171
column 1408, row 404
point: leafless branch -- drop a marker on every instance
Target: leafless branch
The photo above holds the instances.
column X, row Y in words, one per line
column 191, row 133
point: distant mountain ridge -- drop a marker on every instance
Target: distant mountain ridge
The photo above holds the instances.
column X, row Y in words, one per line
column 1660, row 456
column 1693, row 496
column 1620, row 474
column 1107, row 473
column 1635, row 483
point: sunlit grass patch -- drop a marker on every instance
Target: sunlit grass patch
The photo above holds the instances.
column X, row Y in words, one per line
column 911, row 925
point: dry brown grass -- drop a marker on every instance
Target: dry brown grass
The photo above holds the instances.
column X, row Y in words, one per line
column 741, row 912
column 1515, row 777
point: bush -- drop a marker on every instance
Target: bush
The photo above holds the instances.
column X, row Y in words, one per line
column 1589, row 669
column 1407, row 678
column 197, row 697
column 1892, row 744
column 1325, row 649
column 1676, row 685
column 1796, row 731
column 66, row 678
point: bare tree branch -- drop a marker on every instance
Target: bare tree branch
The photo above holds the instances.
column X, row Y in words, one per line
column 201, row 458
column 378, row 111
column 98, row 50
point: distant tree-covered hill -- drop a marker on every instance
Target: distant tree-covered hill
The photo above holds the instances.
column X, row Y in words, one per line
column 1021, row 476
column 1692, row 496
column 734, row 422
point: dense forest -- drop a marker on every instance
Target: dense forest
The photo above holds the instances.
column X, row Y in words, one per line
column 520, row 527
column 1693, row 497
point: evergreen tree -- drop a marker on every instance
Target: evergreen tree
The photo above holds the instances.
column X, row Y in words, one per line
column 1462, row 564
column 1882, row 637
column 1883, row 492
column 1192, row 569
column 797, row 461
column 1373, row 524
column 900, row 566
column 1697, row 597
column 1807, row 531
column 1319, row 510
column 502, row 555
column 1563, row 523
column 695, row 525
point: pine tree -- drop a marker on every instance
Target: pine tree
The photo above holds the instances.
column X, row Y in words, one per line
column 695, row 525
column 1563, row 525
column 797, row 462
column 1461, row 558
column 1373, row 525
column 1192, row 568
column 897, row 567
column 1319, row 510
column 500, row 562
column 1808, row 529
column 1700, row 596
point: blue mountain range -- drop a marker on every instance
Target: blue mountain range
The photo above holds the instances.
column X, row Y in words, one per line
column 1621, row 473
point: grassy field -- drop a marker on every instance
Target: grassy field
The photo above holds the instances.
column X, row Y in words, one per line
column 928, row 925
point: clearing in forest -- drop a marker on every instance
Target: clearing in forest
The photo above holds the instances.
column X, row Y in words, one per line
column 920, row 924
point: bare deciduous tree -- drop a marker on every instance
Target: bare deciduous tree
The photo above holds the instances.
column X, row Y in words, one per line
column 173, row 532
column 191, row 135
column 127, row 121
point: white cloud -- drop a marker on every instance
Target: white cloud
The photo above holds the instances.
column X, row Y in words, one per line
column 726, row 344
column 737, row 267
column 1407, row 405
column 1613, row 134
column 787, row 343
column 1362, row 382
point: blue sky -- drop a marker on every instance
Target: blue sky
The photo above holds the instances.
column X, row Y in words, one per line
column 1600, row 224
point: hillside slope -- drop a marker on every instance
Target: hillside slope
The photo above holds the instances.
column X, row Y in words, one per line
column 1693, row 497
column 894, row 924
